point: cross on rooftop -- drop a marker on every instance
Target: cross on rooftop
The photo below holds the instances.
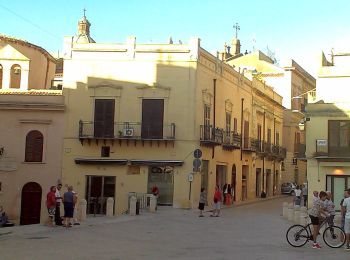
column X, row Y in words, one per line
column 237, row 28
column 84, row 11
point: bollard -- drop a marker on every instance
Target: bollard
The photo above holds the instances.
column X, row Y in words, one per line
column 290, row 212
column 152, row 203
column 109, row 207
column 132, row 209
column 82, row 210
column 285, row 209
column 296, row 214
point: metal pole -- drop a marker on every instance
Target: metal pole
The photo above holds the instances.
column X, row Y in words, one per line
column 189, row 195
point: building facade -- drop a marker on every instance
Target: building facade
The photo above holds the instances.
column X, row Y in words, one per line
column 137, row 112
column 31, row 130
column 293, row 83
column 327, row 126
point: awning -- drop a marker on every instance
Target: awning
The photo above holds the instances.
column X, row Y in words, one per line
column 157, row 162
column 100, row 161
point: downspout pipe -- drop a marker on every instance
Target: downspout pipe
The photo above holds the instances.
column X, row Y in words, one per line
column 214, row 116
column 242, row 140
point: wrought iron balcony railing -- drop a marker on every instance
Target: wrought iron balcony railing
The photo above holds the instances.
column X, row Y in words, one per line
column 125, row 130
column 250, row 144
column 231, row 140
column 210, row 135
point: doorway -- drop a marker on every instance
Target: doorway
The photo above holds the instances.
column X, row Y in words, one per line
column 31, row 203
column 221, row 178
column 98, row 190
column 337, row 185
column 204, row 175
column 258, row 182
column 163, row 178
column 234, row 181
column 268, row 182
column 245, row 173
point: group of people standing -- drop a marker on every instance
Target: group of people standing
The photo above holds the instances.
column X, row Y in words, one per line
column 224, row 196
column 300, row 192
column 53, row 203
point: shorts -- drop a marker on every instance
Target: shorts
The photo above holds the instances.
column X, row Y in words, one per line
column 347, row 225
column 68, row 210
column 217, row 205
column 51, row 211
column 314, row 220
column 201, row 206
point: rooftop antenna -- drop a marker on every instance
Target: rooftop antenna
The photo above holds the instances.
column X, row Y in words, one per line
column 237, row 28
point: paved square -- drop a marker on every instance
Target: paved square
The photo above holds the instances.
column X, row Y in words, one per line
column 255, row 231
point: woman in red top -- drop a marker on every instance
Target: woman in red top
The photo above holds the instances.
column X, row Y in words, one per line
column 217, row 202
column 51, row 205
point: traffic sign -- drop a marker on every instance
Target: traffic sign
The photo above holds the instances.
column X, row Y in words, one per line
column 197, row 153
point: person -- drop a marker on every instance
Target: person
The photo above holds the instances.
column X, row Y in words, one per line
column 75, row 213
column 304, row 191
column 69, row 199
column 329, row 208
column 297, row 198
column 315, row 214
column 224, row 191
column 341, row 212
column 51, row 205
column 202, row 201
column 3, row 217
column 155, row 192
column 315, row 194
column 217, row 202
column 58, row 219
column 345, row 209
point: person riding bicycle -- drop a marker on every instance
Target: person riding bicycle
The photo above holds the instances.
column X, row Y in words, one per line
column 315, row 215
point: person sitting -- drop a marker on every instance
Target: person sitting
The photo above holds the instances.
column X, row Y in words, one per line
column 4, row 219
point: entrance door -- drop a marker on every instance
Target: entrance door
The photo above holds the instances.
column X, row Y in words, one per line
column 152, row 118
column 163, row 178
column 98, row 190
column 258, row 182
column 31, row 203
column 268, row 182
column 245, row 173
column 234, row 181
column 221, row 178
column 337, row 185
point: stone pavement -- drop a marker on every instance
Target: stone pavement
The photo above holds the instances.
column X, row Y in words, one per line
column 253, row 231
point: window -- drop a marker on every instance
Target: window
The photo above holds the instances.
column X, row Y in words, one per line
column 277, row 142
column 339, row 137
column 34, row 146
column 105, row 151
column 152, row 118
column 206, row 115
column 15, row 78
column 104, row 118
column 296, row 142
column 268, row 136
column 228, row 122
column 259, row 132
column 235, row 125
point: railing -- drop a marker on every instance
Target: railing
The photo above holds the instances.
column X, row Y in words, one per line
column 250, row 144
column 211, row 135
column 231, row 140
column 299, row 151
column 142, row 199
column 322, row 148
column 125, row 130
column 279, row 152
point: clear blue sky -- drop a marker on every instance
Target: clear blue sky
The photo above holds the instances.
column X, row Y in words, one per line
column 297, row 29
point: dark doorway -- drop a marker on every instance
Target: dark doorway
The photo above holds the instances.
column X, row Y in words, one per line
column 221, row 178
column 258, row 182
column 245, row 173
column 98, row 190
column 30, row 203
column 152, row 118
column 104, row 118
column 233, row 182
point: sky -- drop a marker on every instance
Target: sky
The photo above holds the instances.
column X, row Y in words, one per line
column 298, row 29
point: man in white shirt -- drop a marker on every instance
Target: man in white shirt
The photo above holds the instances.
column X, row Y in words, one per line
column 345, row 209
column 58, row 219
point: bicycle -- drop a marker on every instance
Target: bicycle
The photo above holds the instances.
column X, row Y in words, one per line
column 299, row 235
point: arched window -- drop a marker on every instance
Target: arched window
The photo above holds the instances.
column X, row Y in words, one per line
column 1, row 71
column 34, row 146
column 15, row 80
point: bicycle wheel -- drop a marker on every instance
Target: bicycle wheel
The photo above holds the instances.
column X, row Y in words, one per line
column 297, row 235
column 334, row 237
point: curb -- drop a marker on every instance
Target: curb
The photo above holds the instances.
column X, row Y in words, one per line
column 249, row 202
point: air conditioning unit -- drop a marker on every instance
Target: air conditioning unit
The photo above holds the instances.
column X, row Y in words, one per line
column 128, row 132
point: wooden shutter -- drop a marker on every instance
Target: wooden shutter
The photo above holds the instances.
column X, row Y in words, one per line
column 34, row 147
column 152, row 118
column 104, row 118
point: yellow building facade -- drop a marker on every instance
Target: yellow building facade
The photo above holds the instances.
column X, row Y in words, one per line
column 137, row 112
column 327, row 126
column 292, row 82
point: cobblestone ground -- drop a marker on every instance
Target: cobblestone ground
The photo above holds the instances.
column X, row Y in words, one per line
column 254, row 231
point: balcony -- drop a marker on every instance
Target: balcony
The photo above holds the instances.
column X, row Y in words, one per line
column 249, row 144
column 326, row 152
column 210, row 136
column 299, row 151
column 89, row 130
column 279, row 152
column 231, row 140
column 321, row 148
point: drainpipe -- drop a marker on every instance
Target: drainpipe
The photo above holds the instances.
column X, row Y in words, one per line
column 263, row 158
column 214, row 116
column 242, row 141
column 274, row 161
